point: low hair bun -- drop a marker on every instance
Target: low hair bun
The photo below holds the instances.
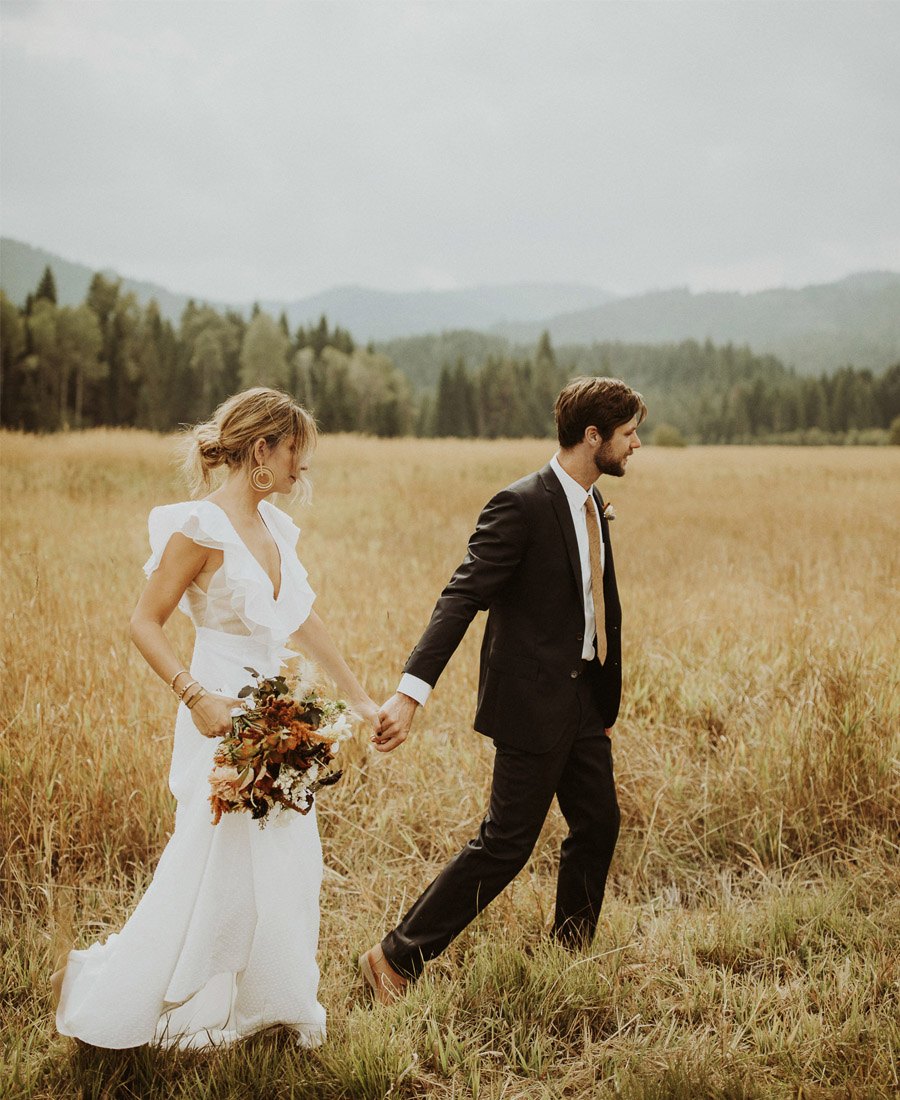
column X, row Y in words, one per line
column 211, row 450
column 227, row 439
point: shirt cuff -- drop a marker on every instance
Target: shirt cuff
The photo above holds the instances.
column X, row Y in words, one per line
column 415, row 688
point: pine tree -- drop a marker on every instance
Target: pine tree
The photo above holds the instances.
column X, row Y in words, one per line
column 12, row 349
column 46, row 288
column 465, row 400
column 446, row 413
column 44, row 367
column 546, row 386
column 319, row 337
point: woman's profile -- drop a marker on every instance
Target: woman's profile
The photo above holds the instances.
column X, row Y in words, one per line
column 223, row 942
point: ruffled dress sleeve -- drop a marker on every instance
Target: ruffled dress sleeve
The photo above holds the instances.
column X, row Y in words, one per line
column 240, row 597
column 195, row 519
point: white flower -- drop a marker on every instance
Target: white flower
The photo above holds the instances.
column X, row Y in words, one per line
column 340, row 728
column 609, row 513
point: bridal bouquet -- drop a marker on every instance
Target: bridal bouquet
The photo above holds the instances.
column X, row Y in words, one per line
column 280, row 750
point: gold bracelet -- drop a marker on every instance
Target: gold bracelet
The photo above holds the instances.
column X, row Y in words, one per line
column 187, row 698
column 187, row 687
column 175, row 677
column 190, row 704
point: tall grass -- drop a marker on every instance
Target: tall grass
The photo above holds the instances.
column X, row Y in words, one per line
column 749, row 943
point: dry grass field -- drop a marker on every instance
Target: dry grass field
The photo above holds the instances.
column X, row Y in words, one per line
column 749, row 944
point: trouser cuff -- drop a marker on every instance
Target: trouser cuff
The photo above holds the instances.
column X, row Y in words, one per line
column 409, row 965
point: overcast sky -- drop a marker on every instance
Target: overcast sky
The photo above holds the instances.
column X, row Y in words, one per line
column 239, row 150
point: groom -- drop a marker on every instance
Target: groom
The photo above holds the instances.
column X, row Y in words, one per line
column 540, row 563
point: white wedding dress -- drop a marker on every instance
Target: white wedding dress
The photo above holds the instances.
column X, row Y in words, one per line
column 223, row 943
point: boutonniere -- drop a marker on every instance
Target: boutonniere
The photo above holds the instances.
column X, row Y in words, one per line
column 609, row 513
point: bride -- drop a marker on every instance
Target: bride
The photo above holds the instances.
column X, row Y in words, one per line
column 223, row 942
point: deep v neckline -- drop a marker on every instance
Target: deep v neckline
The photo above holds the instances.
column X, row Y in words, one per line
column 262, row 568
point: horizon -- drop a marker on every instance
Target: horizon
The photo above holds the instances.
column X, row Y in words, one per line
column 108, row 269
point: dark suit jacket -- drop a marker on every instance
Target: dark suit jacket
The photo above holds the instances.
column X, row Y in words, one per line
column 522, row 567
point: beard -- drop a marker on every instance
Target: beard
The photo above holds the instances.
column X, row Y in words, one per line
column 607, row 463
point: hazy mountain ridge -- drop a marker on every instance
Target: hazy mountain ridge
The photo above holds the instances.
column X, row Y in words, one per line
column 383, row 314
column 369, row 314
column 21, row 267
column 854, row 320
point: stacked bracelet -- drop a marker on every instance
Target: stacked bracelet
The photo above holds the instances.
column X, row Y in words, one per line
column 187, row 687
column 188, row 696
column 198, row 694
column 175, row 677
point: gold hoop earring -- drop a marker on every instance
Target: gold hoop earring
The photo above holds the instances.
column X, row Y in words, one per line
column 261, row 478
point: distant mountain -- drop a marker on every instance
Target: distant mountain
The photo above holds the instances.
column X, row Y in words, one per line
column 21, row 267
column 367, row 314
column 384, row 315
column 816, row 328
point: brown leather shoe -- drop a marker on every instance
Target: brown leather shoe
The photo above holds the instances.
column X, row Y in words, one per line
column 384, row 981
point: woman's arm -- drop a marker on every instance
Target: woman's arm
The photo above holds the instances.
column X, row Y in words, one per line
column 182, row 560
column 315, row 641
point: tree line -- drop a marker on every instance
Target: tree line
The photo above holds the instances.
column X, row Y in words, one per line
column 110, row 361
column 708, row 394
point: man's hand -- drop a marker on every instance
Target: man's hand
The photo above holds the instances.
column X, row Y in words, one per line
column 396, row 718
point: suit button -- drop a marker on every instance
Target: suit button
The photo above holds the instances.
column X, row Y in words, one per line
column 575, row 673
column 579, row 638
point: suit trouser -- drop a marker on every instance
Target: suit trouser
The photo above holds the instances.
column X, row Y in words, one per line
column 579, row 772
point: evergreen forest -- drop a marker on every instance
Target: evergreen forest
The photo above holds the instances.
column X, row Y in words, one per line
column 112, row 362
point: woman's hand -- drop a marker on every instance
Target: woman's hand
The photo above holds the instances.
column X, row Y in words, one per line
column 211, row 714
column 367, row 711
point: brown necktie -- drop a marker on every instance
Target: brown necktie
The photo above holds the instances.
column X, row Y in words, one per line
column 593, row 534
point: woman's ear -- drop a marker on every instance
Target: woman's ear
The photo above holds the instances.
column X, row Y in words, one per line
column 260, row 451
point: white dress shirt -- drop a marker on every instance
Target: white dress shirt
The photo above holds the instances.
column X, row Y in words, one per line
column 576, row 495
column 419, row 690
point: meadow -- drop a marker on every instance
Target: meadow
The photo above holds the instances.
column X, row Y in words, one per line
column 749, row 942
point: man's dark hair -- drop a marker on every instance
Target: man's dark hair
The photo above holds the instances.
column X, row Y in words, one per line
column 604, row 403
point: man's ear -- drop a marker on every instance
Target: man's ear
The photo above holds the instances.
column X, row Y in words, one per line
column 592, row 435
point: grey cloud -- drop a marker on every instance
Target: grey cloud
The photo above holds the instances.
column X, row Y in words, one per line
column 241, row 150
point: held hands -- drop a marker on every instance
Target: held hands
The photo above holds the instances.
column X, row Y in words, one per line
column 396, row 719
column 211, row 714
column 367, row 711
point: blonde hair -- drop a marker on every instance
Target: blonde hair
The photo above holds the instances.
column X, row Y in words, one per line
column 227, row 438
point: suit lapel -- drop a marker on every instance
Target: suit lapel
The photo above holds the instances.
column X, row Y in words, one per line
column 564, row 516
